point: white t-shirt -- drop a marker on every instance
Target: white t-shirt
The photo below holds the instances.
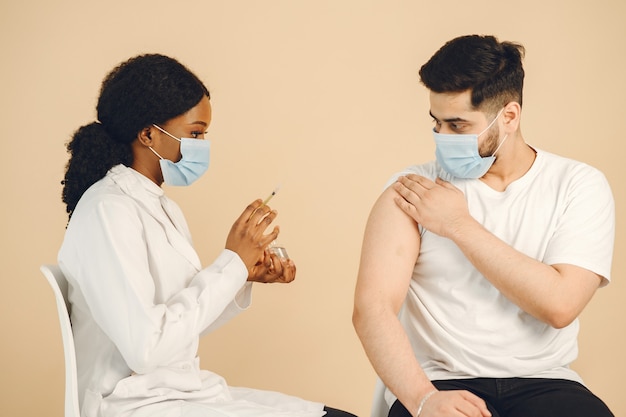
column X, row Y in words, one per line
column 461, row 326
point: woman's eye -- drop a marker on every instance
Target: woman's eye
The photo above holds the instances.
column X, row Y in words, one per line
column 198, row 135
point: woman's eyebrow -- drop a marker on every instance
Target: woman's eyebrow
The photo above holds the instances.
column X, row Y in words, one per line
column 199, row 122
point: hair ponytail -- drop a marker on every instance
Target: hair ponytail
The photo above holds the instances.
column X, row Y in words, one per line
column 92, row 153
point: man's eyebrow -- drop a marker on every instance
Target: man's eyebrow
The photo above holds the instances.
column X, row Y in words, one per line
column 451, row 120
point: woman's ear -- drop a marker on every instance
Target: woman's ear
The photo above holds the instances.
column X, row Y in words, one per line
column 145, row 136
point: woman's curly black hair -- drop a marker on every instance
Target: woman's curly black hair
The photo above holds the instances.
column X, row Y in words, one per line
column 143, row 90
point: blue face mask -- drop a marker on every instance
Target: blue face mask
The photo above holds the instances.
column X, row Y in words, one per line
column 194, row 162
column 458, row 153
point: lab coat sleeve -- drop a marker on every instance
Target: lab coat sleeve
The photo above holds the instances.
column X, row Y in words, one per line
column 112, row 269
column 241, row 303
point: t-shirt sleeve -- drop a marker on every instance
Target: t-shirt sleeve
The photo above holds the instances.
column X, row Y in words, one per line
column 585, row 232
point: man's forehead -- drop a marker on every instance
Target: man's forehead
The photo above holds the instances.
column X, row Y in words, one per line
column 453, row 107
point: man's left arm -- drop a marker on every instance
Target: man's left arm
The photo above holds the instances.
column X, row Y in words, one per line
column 554, row 294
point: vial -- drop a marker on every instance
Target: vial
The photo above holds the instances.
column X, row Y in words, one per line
column 278, row 250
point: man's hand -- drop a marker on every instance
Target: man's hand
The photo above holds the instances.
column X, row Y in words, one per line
column 454, row 404
column 438, row 206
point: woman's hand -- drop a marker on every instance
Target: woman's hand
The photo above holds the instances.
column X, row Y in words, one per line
column 248, row 239
column 273, row 268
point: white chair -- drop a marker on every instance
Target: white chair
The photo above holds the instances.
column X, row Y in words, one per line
column 57, row 281
column 379, row 405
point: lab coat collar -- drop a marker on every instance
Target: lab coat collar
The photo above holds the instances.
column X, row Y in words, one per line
column 132, row 182
column 152, row 198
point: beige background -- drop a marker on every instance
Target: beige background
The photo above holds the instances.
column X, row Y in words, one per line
column 319, row 96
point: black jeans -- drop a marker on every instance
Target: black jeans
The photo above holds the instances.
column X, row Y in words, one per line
column 525, row 397
column 333, row 412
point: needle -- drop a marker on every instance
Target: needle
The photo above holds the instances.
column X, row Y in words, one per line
column 269, row 197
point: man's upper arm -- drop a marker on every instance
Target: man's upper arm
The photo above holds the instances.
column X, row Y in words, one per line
column 390, row 249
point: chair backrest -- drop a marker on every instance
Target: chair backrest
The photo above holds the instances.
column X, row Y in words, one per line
column 379, row 405
column 57, row 281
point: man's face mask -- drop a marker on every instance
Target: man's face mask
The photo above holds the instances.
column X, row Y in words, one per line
column 194, row 162
column 458, row 154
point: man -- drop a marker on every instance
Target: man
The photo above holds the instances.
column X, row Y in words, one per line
column 476, row 266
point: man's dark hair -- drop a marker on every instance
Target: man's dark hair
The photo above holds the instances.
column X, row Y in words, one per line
column 490, row 69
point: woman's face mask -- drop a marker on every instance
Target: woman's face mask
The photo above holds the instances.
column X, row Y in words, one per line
column 194, row 162
column 458, row 154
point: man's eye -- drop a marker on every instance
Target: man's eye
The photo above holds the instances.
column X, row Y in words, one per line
column 458, row 127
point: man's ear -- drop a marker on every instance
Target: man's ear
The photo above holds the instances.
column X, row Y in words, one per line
column 145, row 136
column 512, row 114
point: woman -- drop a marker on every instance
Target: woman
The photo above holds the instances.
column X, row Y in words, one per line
column 140, row 298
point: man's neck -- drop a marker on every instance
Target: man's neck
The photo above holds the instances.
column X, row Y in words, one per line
column 510, row 165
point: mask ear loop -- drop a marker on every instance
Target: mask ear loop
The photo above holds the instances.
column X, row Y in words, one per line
column 155, row 152
column 486, row 129
column 489, row 127
column 497, row 149
column 505, row 136
column 168, row 133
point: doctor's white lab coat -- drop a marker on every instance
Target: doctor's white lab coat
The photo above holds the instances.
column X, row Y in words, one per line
column 140, row 302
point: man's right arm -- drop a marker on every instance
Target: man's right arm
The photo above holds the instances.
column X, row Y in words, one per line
column 390, row 249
